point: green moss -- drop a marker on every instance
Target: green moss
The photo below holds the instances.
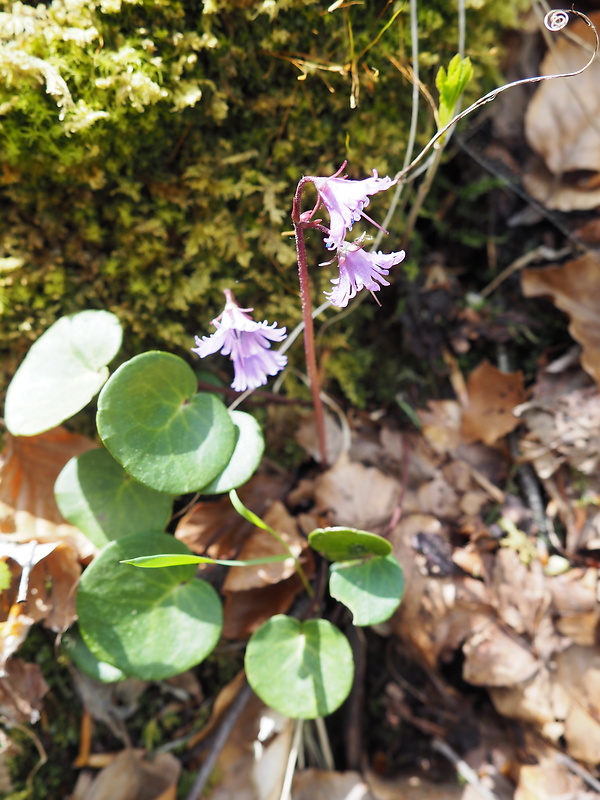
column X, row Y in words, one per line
column 151, row 154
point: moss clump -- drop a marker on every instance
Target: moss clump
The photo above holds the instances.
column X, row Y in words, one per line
column 151, row 147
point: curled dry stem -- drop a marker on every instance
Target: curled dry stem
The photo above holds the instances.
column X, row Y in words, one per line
column 554, row 21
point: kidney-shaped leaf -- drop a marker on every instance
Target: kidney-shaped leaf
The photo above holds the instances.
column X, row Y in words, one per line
column 149, row 623
column 95, row 493
column 64, row 369
column 372, row 589
column 246, row 456
column 342, row 544
column 87, row 662
column 301, row 669
column 164, row 434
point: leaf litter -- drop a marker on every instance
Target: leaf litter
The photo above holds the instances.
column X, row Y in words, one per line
column 491, row 665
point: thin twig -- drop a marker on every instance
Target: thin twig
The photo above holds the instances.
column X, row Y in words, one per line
column 563, row 758
column 286, row 786
column 231, row 717
column 463, row 769
column 542, row 252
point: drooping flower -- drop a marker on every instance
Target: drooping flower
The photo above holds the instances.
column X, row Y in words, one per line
column 360, row 269
column 246, row 342
column 345, row 201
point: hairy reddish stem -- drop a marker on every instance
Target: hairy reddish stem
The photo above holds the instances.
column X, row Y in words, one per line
column 309, row 329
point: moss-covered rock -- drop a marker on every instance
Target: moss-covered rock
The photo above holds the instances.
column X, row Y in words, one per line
column 151, row 147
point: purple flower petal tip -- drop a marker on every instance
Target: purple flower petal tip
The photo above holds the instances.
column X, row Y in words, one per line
column 360, row 270
column 247, row 343
column 345, row 201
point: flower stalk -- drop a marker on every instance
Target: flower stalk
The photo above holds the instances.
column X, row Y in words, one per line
column 309, row 328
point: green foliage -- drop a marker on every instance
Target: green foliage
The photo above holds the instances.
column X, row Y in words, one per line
column 451, row 84
column 151, row 149
column 62, row 372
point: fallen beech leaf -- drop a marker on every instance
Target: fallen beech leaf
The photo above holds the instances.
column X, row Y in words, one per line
column 261, row 544
column 13, row 632
column 415, row 787
column 574, row 598
column 574, row 288
column 131, row 777
column 215, row 529
column 534, row 701
column 28, row 470
column 441, row 425
column 362, row 497
column 578, row 675
column 560, row 119
column 21, row 692
column 493, row 657
column 574, row 191
column 550, row 781
column 436, row 614
column 244, row 612
column 316, row 784
column 52, row 588
column 307, row 438
column 492, row 397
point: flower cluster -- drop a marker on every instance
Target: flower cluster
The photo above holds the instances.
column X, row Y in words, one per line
column 345, row 201
column 246, row 342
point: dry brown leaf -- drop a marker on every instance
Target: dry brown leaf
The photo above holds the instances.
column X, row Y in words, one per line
column 415, row 787
column 439, row 498
column 575, row 603
column 13, row 632
column 563, row 701
column 574, row 288
column 261, row 544
column 493, row 395
column 441, row 425
column 522, row 596
column 561, row 121
column 244, row 612
column 495, row 657
column 533, row 701
column 362, row 497
column 251, row 766
column 131, row 777
column 550, row 781
column 21, row 692
column 578, row 676
column 214, row 528
column 28, row 471
column 307, row 438
column 52, row 588
column 436, row 614
column 316, row 784
column 571, row 192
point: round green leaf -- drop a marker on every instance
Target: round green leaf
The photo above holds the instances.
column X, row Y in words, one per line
column 95, row 493
column 64, row 369
column 164, row 434
column 246, row 456
column 87, row 662
column 301, row 669
column 372, row 589
column 150, row 623
column 342, row 544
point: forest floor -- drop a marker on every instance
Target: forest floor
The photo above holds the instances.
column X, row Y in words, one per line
column 486, row 682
